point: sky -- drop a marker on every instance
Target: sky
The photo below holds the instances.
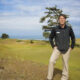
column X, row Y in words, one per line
column 22, row 17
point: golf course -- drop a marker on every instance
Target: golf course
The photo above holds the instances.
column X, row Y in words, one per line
column 28, row 60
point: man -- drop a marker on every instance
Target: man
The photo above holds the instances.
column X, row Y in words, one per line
column 62, row 35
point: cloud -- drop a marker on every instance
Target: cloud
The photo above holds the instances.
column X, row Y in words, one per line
column 11, row 2
column 7, row 14
column 28, row 8
column 20, row 22
column 24, row 15
column 20, row 26
column 19, row 8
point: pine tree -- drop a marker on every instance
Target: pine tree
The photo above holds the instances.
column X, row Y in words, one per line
column 51, row 18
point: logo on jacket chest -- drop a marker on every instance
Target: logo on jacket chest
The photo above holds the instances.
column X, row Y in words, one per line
column 57, row 32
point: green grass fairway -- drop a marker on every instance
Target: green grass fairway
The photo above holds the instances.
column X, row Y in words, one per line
column 21, row 53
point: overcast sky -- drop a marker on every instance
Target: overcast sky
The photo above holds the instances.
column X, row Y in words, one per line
column 20, row 17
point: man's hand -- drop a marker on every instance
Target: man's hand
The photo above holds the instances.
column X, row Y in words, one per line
column 70, row 48
column 55, row 47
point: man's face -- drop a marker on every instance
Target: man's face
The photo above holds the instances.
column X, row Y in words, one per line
column 62, row 20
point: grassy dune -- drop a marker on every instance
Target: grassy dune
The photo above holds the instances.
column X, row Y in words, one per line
column 23, row 60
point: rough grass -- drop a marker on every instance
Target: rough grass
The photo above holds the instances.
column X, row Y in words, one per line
column 24, row 70
column 23, row 60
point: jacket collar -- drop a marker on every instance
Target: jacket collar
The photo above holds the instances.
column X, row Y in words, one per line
column 62, row 28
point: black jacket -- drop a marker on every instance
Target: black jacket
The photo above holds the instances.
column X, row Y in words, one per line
column 62, row 38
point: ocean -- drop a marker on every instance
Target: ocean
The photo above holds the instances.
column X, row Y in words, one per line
column 34, row 37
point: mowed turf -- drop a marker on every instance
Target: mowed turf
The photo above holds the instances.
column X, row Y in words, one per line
column 39, row 53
